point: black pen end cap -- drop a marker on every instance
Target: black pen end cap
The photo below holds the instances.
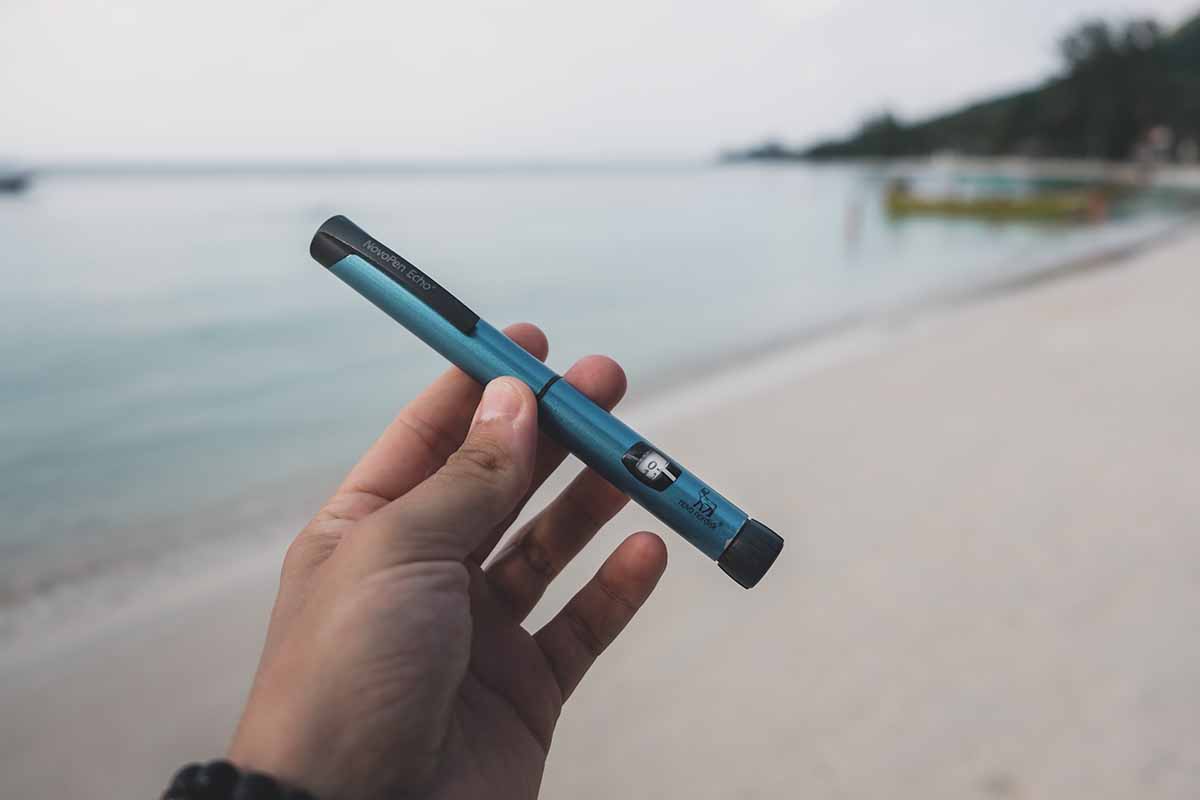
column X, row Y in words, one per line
column 751, row 553
column 329, row 243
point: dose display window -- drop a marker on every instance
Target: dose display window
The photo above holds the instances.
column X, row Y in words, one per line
column 650, row 466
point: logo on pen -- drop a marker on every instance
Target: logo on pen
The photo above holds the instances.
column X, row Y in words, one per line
column 702, row 509
column 703, row 505
column 398, row 265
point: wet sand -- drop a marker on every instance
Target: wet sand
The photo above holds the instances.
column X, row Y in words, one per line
column 990, row 588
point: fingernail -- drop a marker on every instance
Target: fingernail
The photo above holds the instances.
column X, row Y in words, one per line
column 500, row 401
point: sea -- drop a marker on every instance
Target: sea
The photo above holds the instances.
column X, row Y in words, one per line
column 178, row 377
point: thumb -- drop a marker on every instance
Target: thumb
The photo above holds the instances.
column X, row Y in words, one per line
column 450, row 512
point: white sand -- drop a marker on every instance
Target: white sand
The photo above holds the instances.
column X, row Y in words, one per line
column 991, row 586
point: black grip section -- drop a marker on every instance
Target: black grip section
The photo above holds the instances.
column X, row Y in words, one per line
column 339, row 237
column 751, row 553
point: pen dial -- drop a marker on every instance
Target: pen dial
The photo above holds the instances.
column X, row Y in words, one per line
column 650, row 466
column 653, row 464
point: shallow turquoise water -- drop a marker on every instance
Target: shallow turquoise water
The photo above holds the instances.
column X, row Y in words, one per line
column 166, row 344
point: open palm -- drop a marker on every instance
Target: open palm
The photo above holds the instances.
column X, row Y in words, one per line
column 396, row 663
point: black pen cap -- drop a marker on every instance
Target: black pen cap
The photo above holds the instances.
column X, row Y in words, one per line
column 751, row 553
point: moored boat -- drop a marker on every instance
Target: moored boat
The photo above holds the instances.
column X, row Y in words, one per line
column 14, row 180
column 1062, row 204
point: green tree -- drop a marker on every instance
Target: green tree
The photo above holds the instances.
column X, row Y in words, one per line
column 1117, row 86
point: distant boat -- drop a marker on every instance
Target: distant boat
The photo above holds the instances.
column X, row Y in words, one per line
column 1086, row 204
column 13, row 181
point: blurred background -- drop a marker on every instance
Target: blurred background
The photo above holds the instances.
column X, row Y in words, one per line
column 695, row 189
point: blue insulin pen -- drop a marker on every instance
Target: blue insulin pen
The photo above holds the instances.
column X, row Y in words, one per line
column 744, row 548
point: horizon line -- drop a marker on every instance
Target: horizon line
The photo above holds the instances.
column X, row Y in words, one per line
column 248, row 165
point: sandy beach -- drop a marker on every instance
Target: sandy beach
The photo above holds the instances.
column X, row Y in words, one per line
column 990, row 587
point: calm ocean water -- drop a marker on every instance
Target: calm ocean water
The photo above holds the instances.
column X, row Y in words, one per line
column 169, row 352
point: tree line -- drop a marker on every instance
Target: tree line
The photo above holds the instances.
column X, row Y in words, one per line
column 1123, row 87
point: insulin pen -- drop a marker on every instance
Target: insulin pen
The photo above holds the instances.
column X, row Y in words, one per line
column 744, row 548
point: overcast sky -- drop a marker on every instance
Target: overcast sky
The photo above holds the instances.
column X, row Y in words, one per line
column 444, row 79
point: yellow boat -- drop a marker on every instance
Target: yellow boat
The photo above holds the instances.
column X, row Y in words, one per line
column 1041, row 206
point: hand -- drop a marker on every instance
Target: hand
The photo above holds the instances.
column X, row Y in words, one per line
column 395, row 664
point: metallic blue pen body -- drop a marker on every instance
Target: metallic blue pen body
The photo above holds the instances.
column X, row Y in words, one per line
column 725, row 533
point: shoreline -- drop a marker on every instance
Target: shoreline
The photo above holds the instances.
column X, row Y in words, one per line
column 760, row 355
column 1182, row 176
column 73, row 609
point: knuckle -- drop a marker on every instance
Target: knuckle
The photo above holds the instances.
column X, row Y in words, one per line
column 626, row 606
column 582, row 512
column 308, row 550
column 433, row 438
column 296, row 558
column 536, row 557
column 592, row 640
column 481, row 459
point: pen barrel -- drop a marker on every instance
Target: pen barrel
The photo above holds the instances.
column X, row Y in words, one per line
column 744, row 548
column 691, row 508
column 485, row 354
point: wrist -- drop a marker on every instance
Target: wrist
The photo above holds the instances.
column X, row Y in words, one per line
column 321, row 765
column 275, row 756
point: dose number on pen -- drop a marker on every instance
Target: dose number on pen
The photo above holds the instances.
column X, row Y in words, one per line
column 652, row 465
